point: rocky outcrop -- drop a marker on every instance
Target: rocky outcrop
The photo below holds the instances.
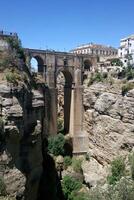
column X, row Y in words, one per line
column 109, row 121
column 22, row 114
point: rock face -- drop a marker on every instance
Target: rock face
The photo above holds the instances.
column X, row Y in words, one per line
column 109, row 121
column 21, row 156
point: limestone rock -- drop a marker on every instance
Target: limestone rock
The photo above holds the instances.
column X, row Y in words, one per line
column 21, row 149
column 94, row 172
column 15, row 182
column 109, row 120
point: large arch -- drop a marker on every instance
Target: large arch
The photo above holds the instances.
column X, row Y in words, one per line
column 39, row 63
column 73, row 106
column 67, row 97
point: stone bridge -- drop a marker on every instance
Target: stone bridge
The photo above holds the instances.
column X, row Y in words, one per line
column 50, row 64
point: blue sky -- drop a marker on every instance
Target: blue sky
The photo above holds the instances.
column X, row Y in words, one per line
column 62, row 25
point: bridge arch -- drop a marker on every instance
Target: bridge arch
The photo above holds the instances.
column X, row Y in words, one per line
column 67, row 72
column 66, row 92
column 87, row 64
column 37, row 63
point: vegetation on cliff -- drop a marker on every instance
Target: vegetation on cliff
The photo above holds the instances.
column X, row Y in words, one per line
column 119, row 184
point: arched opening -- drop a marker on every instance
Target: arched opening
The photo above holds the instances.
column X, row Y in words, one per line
column 34, row 65
column 87, row 65
column 64, row 86
column 37, row 64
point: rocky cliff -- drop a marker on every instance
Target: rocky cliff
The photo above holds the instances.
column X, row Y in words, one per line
column 21, row 145
column 27, row 171
column 109, row 121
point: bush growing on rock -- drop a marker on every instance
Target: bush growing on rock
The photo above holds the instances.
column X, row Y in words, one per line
column 2, row 187
column 13, row 77
column 127, row 87
column 56, row 144
column 75, row 195
column 117, row 170
column 97, row 77
column 67, row 161
column 60, row 124
column 70, row 185
column 123, row 190
column 127, row 73
column 76, row 164
column 131, row 160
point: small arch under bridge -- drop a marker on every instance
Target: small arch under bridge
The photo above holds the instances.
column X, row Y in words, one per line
column 50, row 64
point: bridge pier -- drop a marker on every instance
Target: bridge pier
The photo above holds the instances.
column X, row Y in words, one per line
column 51, row 104
column 67, row 104
column 79, row 136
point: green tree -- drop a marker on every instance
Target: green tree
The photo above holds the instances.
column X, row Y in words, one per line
column 56, row 144
column 70, row 185
column 116, row 62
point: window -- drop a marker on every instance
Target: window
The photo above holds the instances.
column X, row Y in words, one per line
column 85, row 51
column 65, row 62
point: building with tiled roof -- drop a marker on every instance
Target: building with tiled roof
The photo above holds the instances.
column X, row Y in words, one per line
column 96, row 49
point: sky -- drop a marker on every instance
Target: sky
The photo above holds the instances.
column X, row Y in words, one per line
column 64, row 24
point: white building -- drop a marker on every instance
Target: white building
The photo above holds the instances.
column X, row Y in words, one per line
column 102, row 51
column 126, row 50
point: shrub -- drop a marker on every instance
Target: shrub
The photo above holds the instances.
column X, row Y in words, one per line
column 76, row 195
column 123, row 190
column 76, row 164
column 97, row 77
column 127, row 73
column 15, row 44
column 13, row 77
column 130, row 74
column 56, row 144
column 131, row 160
column 97, row 194
column 127, row 87
column 116, row 62
column 2, row 187
column 69, row 185
column 117, row 170
column 60, row 124
column 67, row 161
